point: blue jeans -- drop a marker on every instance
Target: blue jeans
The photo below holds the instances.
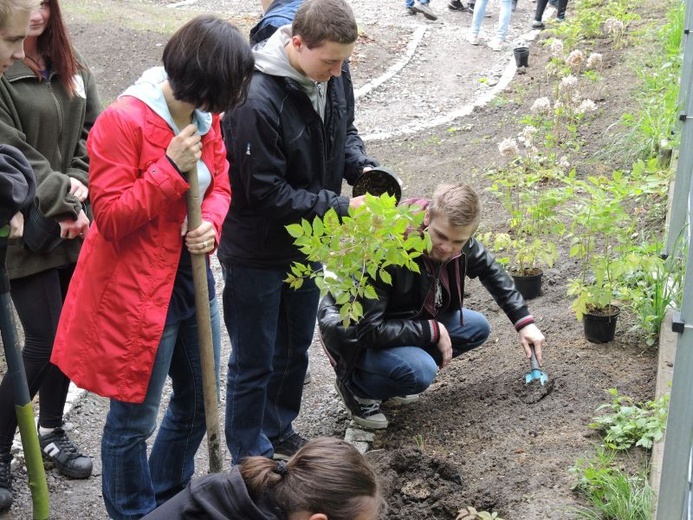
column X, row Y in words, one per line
column 410, row 3
column 506, row 11
column 132, row 485
column 271, row 327
column 390, row 372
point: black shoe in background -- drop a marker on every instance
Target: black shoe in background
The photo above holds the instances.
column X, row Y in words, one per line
column 457, row 5
column 285, row 449
column 5, row 481
column 57, row 447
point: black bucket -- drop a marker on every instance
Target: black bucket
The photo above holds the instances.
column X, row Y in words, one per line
column 521, row 56
column 378, row 181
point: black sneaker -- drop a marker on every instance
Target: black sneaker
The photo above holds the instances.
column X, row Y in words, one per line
column 57, row 447
column 364, row 412
column 5, row 481
column 425, row 10
column 457, row 5
column 285, row 449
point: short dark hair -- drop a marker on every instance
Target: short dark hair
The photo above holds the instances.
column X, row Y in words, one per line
column 209, row 64
column 320, row 21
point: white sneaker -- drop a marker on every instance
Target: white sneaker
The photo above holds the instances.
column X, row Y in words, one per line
column 403, row 399
column 497, row 45
column 474, row 39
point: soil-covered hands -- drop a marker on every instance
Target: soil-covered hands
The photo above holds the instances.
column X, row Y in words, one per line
column 444, row 345
column 70, row 229
column 531, row 335
column 201, row 240
column 185, row 149
column 78, row 189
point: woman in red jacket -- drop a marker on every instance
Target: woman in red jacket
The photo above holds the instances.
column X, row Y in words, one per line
column 129, row 317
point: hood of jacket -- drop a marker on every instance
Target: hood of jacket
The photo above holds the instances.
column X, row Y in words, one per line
column 219, row 496
column 272, row 59
column 147, row 90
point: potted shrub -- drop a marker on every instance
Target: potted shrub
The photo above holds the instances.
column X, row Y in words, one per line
column 600, row 232
column 523, row 258
column 527, row 247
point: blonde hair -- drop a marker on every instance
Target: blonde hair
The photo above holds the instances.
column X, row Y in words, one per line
column 9, row 6
column 459, row 203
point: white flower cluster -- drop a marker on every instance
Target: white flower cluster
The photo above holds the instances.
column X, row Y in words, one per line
column 541, row 105
column 575, row 59
column 587, row 105
column 525, row 137
column 568, row 84
column 613, row 26
column 594, row 61
column 508, row 148
column 556, row 48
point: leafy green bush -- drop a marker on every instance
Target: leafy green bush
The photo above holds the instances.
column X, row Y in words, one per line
column 629, row 423
column 357, row 250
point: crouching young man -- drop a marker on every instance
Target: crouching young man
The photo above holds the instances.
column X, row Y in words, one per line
column 419, row 323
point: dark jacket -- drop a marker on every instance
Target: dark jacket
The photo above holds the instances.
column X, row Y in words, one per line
column 280, row 12
column 50, row 127
column 286, row 164
column 404, row 314
column 221, row 496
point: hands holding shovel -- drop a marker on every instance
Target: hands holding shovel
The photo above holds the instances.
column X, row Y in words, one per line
column 532, row 341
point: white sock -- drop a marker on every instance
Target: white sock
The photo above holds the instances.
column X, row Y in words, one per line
column 45, row 431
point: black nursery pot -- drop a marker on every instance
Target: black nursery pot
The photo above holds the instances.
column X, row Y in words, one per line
column 521, row 56
column 378, row 181
column 601, row 328
column 528, row 285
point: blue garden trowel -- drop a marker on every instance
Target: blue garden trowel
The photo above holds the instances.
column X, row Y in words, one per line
column 535, row 373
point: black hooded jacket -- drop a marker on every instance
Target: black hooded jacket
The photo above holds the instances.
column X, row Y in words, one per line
column 220, row 496
column 286, row 164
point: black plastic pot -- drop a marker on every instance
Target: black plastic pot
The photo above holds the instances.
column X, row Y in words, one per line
column 378, row 181
column 528, row 285
column 601, row 328
column 521, row 56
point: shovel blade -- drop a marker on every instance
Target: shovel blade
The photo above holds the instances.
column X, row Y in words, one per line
column 536, row 375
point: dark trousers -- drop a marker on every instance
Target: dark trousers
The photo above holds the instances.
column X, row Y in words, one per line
column 541, row 6
column 38, row 299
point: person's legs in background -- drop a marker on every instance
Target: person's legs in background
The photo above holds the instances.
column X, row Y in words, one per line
column 295, row 332
column 252, row 303
column 506, row 12
column 560, row 10
column 171, row 462
column 479, row 11
column 128, row 491
column 539, row 13
column 38, row 300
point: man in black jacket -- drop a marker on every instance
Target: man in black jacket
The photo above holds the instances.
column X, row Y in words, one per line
column 419, row 323
column 290, row 146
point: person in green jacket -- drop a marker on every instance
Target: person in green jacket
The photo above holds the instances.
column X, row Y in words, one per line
column 48, row 103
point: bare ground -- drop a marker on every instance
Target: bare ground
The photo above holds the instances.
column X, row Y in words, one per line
column 478, row 436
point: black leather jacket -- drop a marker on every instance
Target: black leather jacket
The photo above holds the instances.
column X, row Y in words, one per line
column 404, row 313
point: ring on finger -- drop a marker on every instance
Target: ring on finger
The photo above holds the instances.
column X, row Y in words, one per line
column 204, row 245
